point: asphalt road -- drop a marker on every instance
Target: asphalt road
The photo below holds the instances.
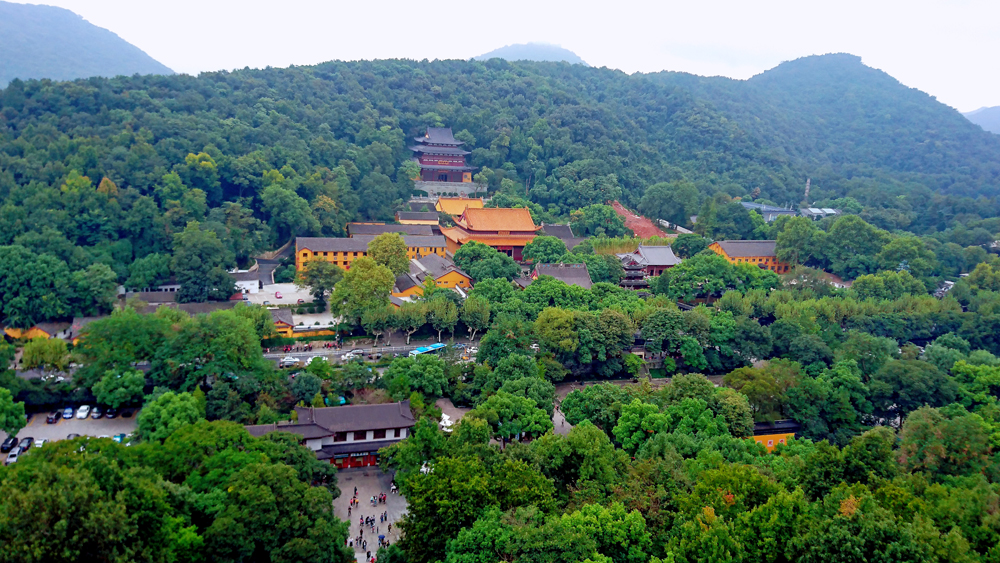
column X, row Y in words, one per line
column 332, row 355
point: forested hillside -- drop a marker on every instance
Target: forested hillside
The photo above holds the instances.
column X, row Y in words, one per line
column 50, row 42
column 147, row 174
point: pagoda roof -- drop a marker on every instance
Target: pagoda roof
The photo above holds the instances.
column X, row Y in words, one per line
column 444, row 167
column 438, row 136
column 462, row 236
column 496, row 219
column 434, row 149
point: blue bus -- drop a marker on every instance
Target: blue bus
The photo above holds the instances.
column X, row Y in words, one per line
column 432, row 349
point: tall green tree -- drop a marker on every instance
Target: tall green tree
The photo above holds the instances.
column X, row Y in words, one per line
column 200, row 263
column 389, row 250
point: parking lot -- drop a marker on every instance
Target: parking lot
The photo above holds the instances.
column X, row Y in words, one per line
column 38, row 429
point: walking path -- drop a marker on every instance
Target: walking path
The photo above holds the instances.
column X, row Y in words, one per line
column 369, row 482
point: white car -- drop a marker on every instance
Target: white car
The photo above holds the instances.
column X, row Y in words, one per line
column 40, row 443
column 83, row 412
column 288, row 361
column 12, row 456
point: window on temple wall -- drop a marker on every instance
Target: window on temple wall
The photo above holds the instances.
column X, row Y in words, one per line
column 378, row 434
column 360, row 436
column 396, row 433
column 340, row 437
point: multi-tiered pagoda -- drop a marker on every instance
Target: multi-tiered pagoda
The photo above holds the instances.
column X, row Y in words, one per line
column 441, row 157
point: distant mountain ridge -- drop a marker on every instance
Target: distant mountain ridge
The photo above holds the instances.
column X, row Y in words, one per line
column 539, row 52
column 987, row 118
column 49, row 42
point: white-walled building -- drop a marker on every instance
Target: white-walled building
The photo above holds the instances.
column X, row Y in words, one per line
column 348, row 436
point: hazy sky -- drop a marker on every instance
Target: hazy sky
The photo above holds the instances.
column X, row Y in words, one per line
column 943, row 48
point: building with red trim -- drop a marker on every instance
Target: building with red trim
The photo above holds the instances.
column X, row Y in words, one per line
column 441, row 157
column 348, row 436
column 505, row 229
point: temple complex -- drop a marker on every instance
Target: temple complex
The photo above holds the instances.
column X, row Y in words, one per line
column 505, row 229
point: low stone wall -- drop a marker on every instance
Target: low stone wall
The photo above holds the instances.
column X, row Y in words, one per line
column 438, row 189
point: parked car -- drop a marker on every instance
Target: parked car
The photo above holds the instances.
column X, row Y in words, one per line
column 118, row 438
column 72, row 436
column 300, row 302
column 314, row 358
column 83, row 412
column 103, row 436
column 288, row 361
column 26, row 443
column 97, row 413
column 277, row 295
column 8, row 444
column 12, row 456
column 53, row 417
column 67, row 412
column 112, row 413
column 41, row 443
column 267, row 303
column 127, row 413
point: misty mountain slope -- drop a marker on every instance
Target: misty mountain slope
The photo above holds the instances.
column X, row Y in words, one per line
column 576, row 135
column 987, row 118
column 541, row 52
column 831, row 115
column 49, row 42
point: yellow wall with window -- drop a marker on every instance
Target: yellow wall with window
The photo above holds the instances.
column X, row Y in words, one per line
column 770, row 441
column 770, row 262
column 454, row 279
column 344, row 259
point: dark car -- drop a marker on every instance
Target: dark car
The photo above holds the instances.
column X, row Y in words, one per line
column 53, row 417
column 96, row 413
column 68, row 412
column 26, row 443
column 127, row 413
column 8, row 444
column 112, row 413
column 71, row 436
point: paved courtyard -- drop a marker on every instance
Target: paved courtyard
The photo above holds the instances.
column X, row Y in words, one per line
column 369, row 481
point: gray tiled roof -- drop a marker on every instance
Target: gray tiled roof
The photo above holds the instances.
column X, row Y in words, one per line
column 330, row 244
column 434, row 265
column 405, row 281
column 657, row 256
column 438, row 136
column 245, row 276
column 433, row 241
column 571, row 274
column 363, row 229
column 358, row 417
column 283, row 315
column 747, row 248
column 418, row 215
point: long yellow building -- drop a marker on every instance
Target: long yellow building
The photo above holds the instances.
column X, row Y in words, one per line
column 760, row 253
column 344, row 251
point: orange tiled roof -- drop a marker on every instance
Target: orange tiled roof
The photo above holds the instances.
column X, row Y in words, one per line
column 497, row 219
column 457, row 205
column 460, row 236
